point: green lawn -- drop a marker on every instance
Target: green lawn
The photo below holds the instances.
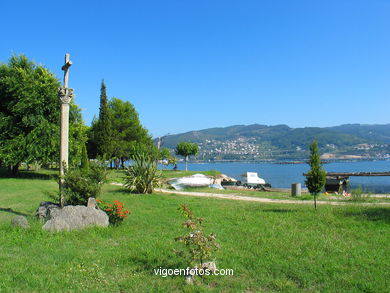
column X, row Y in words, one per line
column 270, row 247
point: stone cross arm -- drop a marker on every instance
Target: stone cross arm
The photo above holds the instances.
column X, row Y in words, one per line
column 65, row 68
column 66, row 65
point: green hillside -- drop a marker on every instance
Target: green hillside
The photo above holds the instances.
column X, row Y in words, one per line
column 374, row 133
column 259, row 142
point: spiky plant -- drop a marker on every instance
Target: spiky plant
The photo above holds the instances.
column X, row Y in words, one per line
column 143, row 175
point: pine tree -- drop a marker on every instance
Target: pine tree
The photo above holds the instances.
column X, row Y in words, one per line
column 316, row 177
column 103, row 136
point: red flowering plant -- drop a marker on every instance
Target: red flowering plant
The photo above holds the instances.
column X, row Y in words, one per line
column 116, row 212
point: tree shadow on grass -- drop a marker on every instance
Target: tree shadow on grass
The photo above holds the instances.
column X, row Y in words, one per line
column 372, row 214
column 121, row 190
column 27, row 175
column 126, row 191
column 281, row 211
column 9, row 210
column 152, row 265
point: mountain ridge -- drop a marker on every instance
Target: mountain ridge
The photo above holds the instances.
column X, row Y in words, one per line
column 258, row 142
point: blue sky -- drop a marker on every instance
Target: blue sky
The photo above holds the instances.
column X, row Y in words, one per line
column 188, row 65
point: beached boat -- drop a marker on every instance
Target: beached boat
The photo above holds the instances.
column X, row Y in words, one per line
column 196, row 180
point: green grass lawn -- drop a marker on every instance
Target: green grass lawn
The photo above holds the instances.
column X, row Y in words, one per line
column 270, row 247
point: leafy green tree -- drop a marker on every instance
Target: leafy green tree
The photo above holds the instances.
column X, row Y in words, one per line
column 142, row 148
column 77, row 135
column 164, row 154
column 186, row 149
column 29, row 116
column 29, row 113
column 166, row 157
column 316, row 177
column 126, row 129
column 127, row 135
column 103, row 134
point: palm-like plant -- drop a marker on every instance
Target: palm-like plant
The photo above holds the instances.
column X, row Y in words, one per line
column 143, row 175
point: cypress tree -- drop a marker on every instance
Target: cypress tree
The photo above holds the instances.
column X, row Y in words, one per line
column 84, row 158
column 103, row 138
column 316, row 177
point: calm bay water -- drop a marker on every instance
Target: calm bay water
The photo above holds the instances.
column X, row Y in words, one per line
column 281, row 176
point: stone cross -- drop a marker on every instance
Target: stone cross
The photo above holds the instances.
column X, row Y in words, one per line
column 65, row 95
column 65, row 68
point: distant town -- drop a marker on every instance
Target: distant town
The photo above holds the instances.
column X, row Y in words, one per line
column 249, row 149
column 283, row 143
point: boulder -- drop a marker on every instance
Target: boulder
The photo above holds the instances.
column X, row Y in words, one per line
column 44, row 209
column 92, row 202
column 20, row 221
column 75, row 218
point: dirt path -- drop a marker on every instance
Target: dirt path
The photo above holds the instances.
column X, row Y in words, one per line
column 255, row 199
column 259, row 199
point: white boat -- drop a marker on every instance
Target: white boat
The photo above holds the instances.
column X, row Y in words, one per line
column 196, row 180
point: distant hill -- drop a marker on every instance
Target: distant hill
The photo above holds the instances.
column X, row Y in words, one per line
column 262, row 142
column 373, row 133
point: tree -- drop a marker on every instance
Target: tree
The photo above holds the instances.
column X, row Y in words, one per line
column 103, row 127
column 186, row 149
column 137, row 147
column 92, row 139
column 126, row 129
column 166, row 157
column 29, row 111
column 316, row 177
column 29, row 115
column 84, row 158
column 78, row 135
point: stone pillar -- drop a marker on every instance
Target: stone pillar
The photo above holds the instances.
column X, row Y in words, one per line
column 66, row 95
column 296, row 189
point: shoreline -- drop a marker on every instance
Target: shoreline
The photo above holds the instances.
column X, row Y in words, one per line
column 286, row 162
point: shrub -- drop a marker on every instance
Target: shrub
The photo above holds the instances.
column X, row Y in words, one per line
column 143, row 176
column 199, row 246
column 116, row 212
column 83, row 183
column 357, row 194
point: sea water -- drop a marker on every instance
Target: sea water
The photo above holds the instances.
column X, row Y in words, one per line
column 282, row 175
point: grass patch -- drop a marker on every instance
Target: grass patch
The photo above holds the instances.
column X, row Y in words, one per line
column 271, row 247
column 284, row 195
